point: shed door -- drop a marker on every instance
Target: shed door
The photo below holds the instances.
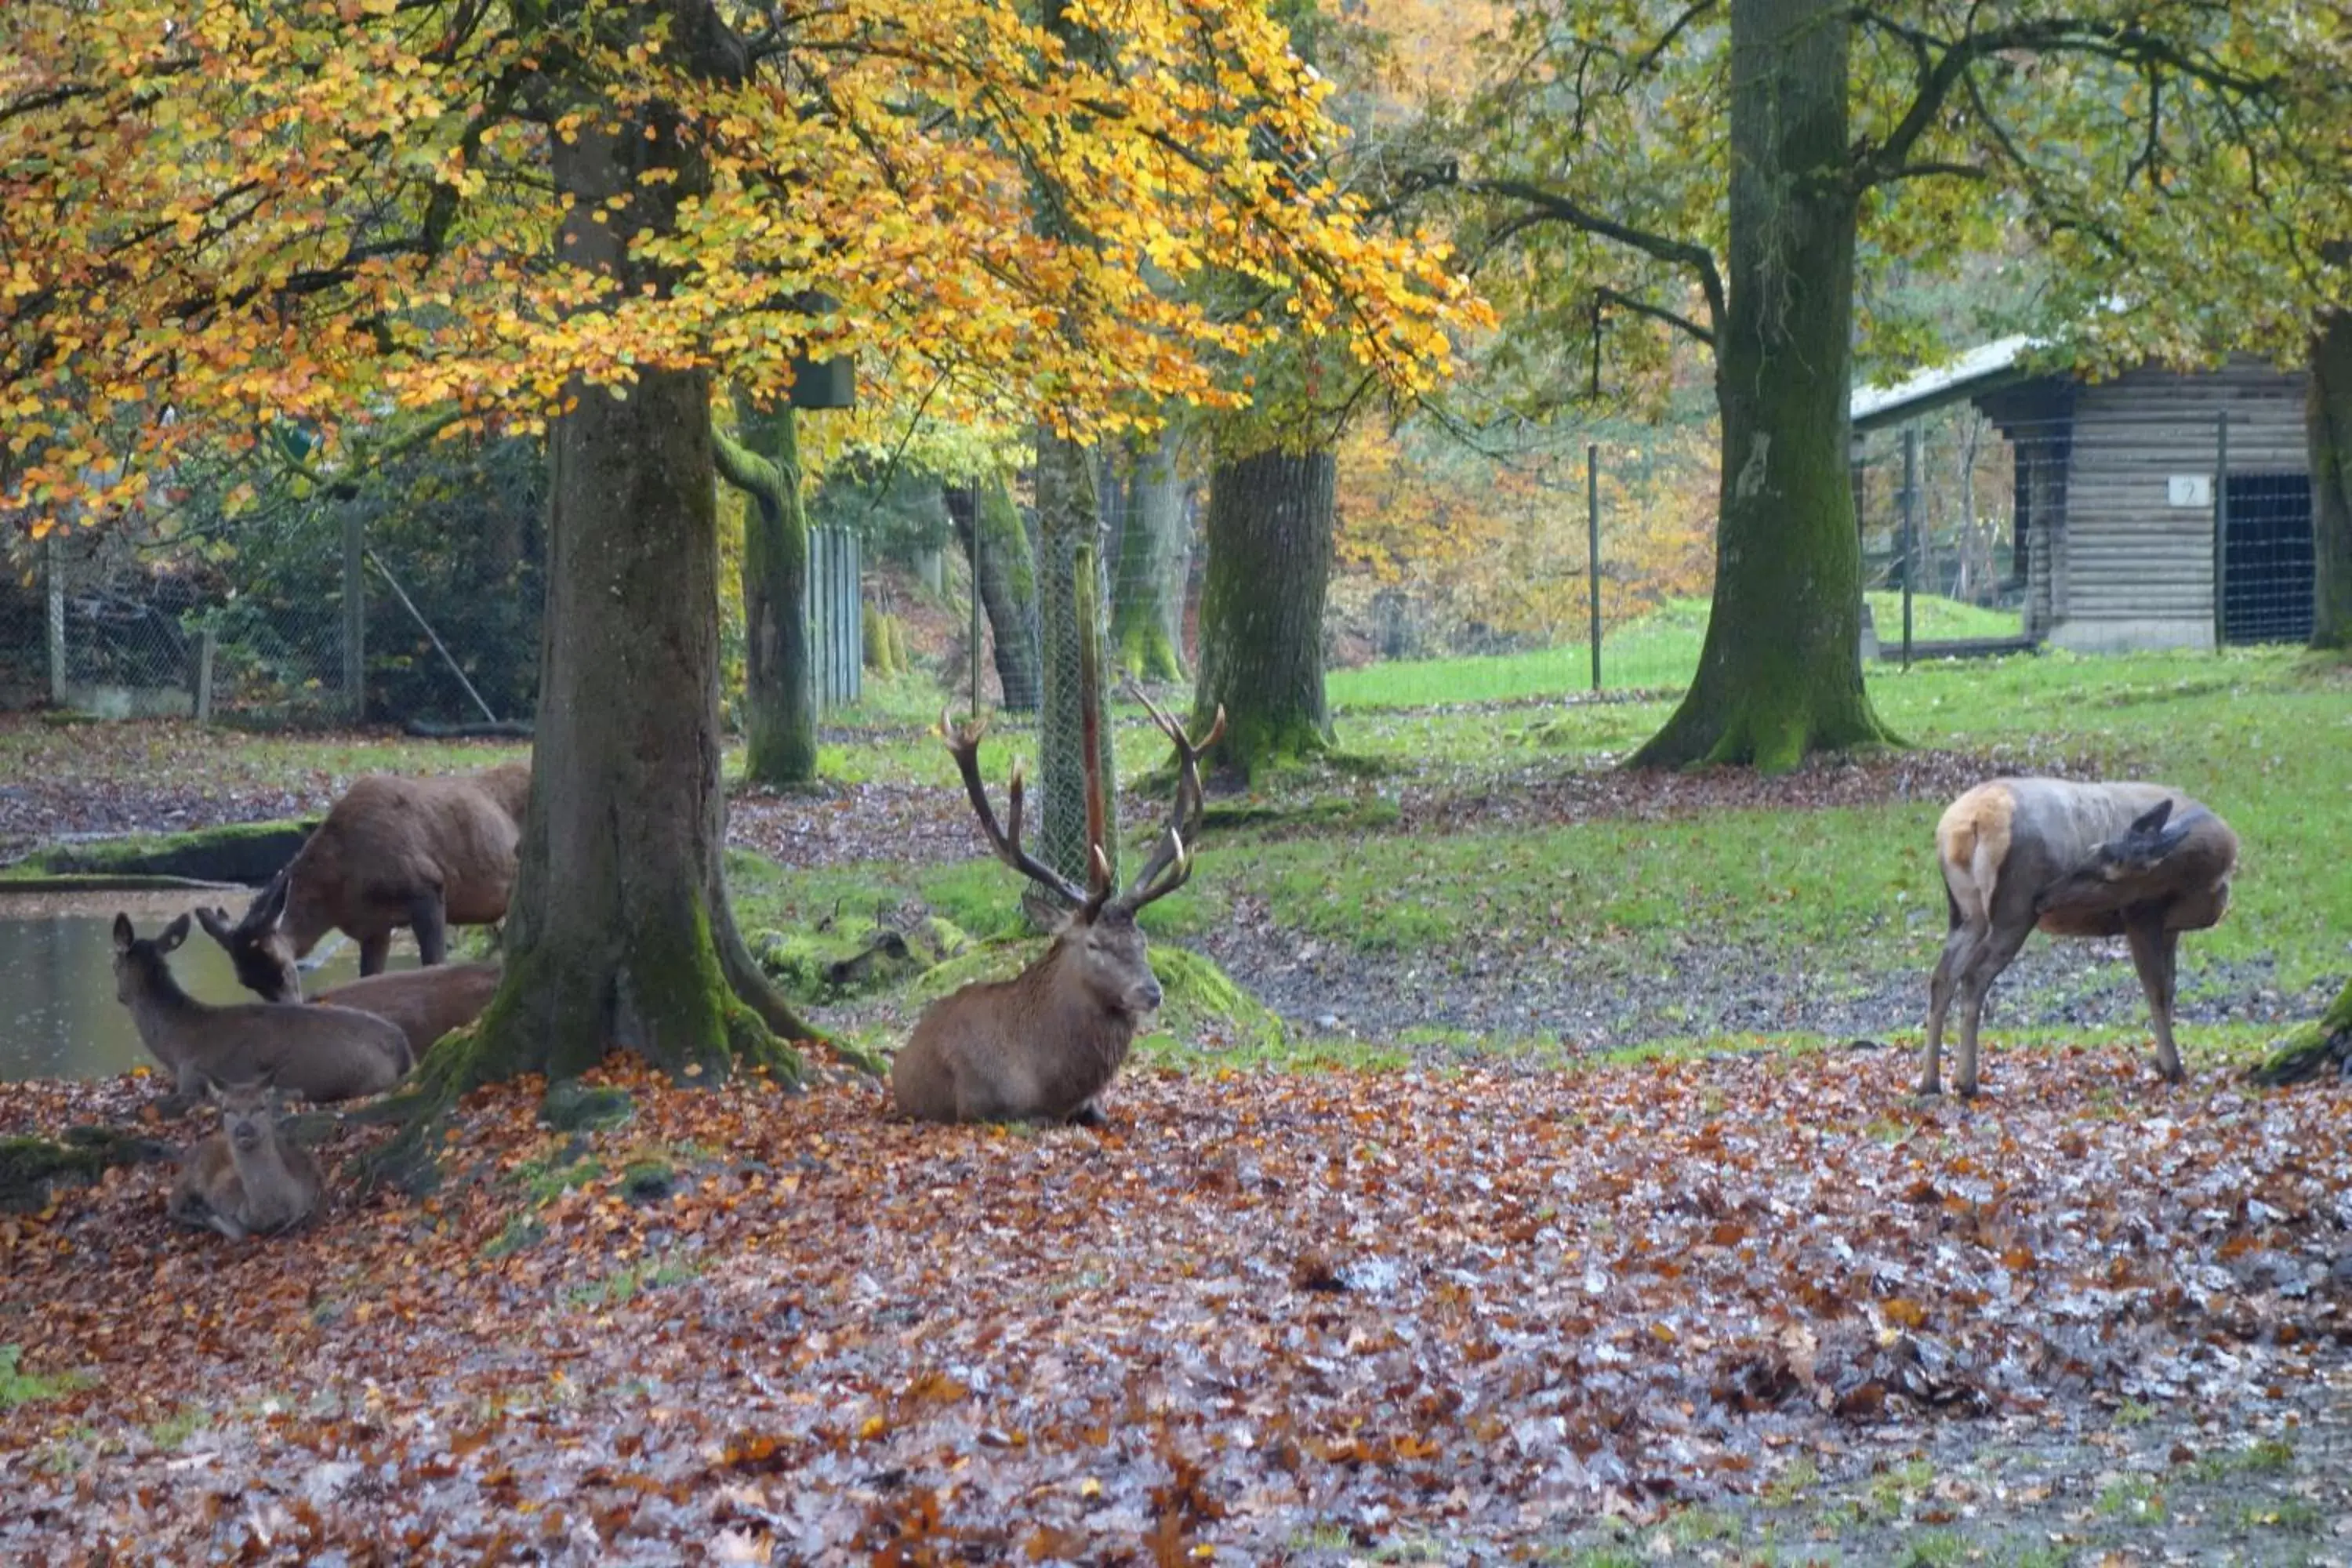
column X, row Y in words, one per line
column 2266, row 570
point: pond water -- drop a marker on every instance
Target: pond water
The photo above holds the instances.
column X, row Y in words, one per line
column 59, row 1018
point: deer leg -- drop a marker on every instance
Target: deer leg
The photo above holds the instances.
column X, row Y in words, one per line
column 1993, row 954
column 375, row 951
column 2154, row 950
column 1957, row 944
column 428, row 918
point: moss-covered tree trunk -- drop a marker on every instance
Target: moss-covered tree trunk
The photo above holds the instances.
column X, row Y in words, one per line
column 1147, row 620
column 1008, row 583
column 1779, row 674
column 1268, row 537
column 779, row 697
column 620, row 933
column 2312, row 1049
column 2329, row 416
column 1069, row 522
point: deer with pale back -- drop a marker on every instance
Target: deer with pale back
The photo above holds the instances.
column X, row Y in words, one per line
column 1042, row 1045
column 427, row 853
column 249, row 1178
column 2142, row 861
column 318, row 1052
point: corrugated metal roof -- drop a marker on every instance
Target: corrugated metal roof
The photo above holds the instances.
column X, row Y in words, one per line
column 1981, row 368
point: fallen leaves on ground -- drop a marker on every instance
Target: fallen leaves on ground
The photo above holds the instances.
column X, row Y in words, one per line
column 1476, row 1307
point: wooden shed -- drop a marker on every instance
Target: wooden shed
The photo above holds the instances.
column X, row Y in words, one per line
column 2156, row 509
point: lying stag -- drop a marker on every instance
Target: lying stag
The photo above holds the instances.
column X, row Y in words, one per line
column 427, row 854
column 1040, row 1045
column 319, row 1053
column 2138, row 860
column 248, row 1179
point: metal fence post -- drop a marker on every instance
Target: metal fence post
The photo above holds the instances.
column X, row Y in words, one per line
column 54, row 591
column 1910, row 528
column 1593, row 550
column 975, row 599
column 2220, row 527
column 354, row 613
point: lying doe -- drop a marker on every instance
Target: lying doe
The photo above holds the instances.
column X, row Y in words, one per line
column 318, row 1052
column 248, row 1179
column 2138, row 860
column 426, row 1002
column 422, row 853
column 1040, row 1045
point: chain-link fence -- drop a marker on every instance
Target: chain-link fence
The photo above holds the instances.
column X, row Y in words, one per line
column 382, row 618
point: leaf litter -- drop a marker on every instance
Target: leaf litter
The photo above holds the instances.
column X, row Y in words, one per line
column 1260, row 1310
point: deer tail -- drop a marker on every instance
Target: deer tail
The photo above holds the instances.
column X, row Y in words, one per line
column 1972, row 842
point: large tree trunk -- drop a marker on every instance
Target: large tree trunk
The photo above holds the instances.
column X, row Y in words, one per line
column 1069, row 522
column 1146, row 618
column 1008, row 583
column 779, row 697
column 620, row 933
column 2312, row 1049
column 2328, row 417
column 1779, row 674
column 1269, row 538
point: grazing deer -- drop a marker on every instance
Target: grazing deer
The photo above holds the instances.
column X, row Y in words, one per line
column 427, row 854
column 1040, row 1045
column 248, row 1179
column 319, row 1053
column 2138, row 860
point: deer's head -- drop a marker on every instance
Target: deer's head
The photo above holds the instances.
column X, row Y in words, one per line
column 2130, row 856
column 1099, row 943
column 139, row 962
column 249, row 1112
column 258, row 946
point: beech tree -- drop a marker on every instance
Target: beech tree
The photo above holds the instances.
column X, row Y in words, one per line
column 592, row 213
column 1715, row 168
column 1147, row 617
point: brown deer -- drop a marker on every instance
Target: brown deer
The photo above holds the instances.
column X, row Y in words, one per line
column 319, row 1053
column 2142, row 861
column 426, row 1002
column 1043, row 1045
column 427, row 854
column 249, row 1178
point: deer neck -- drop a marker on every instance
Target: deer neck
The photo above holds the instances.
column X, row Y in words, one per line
column 271, row 1193
column 165, row 1015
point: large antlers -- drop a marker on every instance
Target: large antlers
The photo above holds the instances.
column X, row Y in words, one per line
column 963, row 745
column 1171, row 858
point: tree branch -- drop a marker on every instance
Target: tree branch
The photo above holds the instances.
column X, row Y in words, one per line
column 1659, row 313
column 1549, row 206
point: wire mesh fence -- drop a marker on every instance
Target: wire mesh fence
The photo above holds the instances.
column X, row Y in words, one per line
column 369, row 620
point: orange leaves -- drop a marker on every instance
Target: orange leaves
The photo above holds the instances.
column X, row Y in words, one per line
column 244, row 211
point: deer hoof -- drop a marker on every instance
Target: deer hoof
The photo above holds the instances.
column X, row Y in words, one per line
column 1089, row 1115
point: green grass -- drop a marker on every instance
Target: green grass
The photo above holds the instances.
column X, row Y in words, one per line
column 1657, row 652
column 18, row 1386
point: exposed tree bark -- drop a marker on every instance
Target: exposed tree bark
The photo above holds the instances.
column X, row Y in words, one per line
column 1008, row 584
column 2329, row 416
column 2312, row 1049
column 1269, row 538
column 779, row 697
column 1068, row 517
column 1147, row 621
column 620, row 933
column 1779, row 674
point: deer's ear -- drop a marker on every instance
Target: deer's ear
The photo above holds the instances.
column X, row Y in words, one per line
column 173, row 935
column 122, row 934
column 2152, row 821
